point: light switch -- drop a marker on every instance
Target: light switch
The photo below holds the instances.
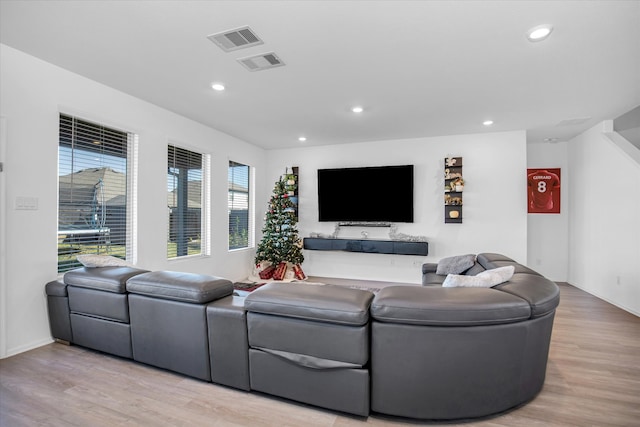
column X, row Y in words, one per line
column 27, row 203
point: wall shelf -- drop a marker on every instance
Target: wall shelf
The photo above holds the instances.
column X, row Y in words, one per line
column 396, row 247
column 453, row 193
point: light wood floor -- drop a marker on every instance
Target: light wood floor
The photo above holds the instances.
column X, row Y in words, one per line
column 593, row 379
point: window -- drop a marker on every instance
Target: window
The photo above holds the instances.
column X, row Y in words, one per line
column 240, row 232
column 95, row 191
column 187, row 175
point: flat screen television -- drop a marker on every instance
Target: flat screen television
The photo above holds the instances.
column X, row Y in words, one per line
column 366, row 194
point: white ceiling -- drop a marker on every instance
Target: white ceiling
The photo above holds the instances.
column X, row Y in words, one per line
column 419, row 68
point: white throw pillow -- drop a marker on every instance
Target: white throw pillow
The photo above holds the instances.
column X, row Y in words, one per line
column 486, row 279
column 501, row 273
column 91, row 260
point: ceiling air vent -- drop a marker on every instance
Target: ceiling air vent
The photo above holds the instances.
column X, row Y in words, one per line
column 235, row 39
column 264, row 61
column 573, row 122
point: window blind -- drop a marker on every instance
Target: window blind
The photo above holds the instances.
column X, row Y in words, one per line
column 185, row 202
column 238, row 202
column 92, row 191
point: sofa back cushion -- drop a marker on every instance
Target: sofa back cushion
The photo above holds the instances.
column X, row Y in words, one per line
column 108, row 279
column 542, row 294
column 438, row 306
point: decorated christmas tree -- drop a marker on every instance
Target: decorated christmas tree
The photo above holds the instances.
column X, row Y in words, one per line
column 280, row 249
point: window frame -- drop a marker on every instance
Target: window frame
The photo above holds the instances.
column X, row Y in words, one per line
column 250, row 195
column 204, row 210
column 74, row 131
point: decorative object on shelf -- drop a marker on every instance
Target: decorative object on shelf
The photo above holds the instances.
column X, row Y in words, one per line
column 280, row 249
column 457, row 184
column 291, row 187
column 393, row 232
column 322, row 235
column 334, row 235
column 453, row 188
column 453, row 161
column 394, row 235
column 363, row 224
column 290, row 182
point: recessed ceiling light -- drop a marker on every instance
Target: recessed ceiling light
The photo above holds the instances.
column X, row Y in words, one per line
column 217, row 86
column 539, row 33
column 487, row 122
column 302, row 139
column 357, row 109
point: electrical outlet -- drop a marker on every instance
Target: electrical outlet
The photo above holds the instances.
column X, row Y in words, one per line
column 26, row 203
column 618, row 280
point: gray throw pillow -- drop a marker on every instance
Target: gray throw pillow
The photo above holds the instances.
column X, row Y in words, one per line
column 455, row 264
column 91, row 260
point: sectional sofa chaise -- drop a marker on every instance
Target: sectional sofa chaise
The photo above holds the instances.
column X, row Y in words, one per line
column 423, row 352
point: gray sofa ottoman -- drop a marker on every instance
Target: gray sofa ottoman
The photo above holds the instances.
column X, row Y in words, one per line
column 168, row 319
column 310, row 343
column 99, row 310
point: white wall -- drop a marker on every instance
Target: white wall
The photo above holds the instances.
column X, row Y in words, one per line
column 604, row 225
column 548, row 234
column 495, row 217
column 33, row 94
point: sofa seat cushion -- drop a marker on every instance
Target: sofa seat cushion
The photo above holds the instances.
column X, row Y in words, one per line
column 439, row 306
column 108, row 279
column 177, row 286
column 325, row 303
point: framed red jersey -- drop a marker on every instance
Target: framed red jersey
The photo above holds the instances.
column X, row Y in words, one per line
column 543, row 190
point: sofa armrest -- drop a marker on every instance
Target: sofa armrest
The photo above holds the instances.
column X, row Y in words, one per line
column 429, row 276
column 429, row 267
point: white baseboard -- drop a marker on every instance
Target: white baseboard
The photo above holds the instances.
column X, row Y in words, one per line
column 26, row 347
column 602, row 297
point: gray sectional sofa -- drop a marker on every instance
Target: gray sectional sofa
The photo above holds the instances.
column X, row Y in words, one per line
column 422, row 352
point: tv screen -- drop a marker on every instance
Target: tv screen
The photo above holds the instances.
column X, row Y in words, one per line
column 368, row 194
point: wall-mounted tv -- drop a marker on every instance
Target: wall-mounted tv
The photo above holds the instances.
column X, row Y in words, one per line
column 366, row 194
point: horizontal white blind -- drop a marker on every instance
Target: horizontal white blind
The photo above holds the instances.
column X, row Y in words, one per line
column 238, row 202
column 184, row 201
column 92, row 191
